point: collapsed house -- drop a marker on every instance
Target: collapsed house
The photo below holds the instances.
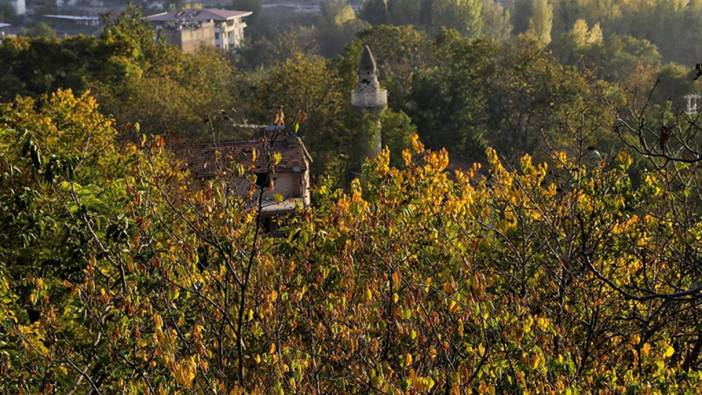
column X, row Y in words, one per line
column 285, row 185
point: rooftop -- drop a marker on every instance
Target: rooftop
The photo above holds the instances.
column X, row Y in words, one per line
column 206, row 160
column 198, row 15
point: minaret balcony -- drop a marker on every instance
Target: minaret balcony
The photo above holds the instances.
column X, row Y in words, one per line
column 376, row 98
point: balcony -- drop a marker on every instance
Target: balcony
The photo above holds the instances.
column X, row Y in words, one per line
column 377, row 98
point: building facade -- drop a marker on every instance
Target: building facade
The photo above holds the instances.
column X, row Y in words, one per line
column 192, row 28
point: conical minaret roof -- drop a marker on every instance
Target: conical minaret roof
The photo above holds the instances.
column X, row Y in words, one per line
column 367, row 61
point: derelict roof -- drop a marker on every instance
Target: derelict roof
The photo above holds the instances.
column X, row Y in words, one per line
column 201, row 15
column 207, row 160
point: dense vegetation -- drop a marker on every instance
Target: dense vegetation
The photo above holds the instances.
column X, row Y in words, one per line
column 533, row 224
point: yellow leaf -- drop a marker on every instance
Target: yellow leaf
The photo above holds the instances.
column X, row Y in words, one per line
column 543, row 323
column 408, row 359
column 527, row 324
column 274, row 295
column 669, row 352
column 185, row 371
column 33, row 298
column 396, row 280
column 158, row 322
column 271, row 350
column 536, row 361
column 645, row 349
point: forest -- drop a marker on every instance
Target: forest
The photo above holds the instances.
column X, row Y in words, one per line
column 533, row 223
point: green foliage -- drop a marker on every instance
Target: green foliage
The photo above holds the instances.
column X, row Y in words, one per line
column 42, row 65
column 674, row 83
column 175, row 97
column 135, row 78
column 41, row 29
column 311, row 87
column 7, row 10
column 338, row 26
column 465, row 16
column 249, row 5
column 397, row 130
column 509, row 96
column 448, row 102
column 262, row 53
column 375, row 12
column 474, row 18
column 541, row 22
column 497, row 23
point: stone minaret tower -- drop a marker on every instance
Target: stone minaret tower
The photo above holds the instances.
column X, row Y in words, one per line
column 369, row 101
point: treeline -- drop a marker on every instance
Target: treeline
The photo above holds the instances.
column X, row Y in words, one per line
column 457, row 92
column 657, row 31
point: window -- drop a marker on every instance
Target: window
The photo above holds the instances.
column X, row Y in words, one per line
column 216, row 36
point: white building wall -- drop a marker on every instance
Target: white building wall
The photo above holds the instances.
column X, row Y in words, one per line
column 230, row 34
column 20, row 7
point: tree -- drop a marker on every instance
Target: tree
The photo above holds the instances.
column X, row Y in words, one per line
column 509, row 96
column 461, row 15
column 7, row 10
column 136, row 78
column 522, row 14
column 254, row 6
column 338, row 26
column 447, row 103
column 309, row 88
column 375, row 12
column 41, row 29
column 405, row 12
column 543, row 271
column 541, row 22
column 397, row 130
column 497, row 23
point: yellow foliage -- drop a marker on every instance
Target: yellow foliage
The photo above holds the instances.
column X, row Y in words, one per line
column 184, row 371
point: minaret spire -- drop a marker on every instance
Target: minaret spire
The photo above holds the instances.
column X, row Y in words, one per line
column 368, row 95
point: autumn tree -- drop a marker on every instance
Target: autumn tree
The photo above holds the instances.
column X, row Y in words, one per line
column 541, row 22
column 497, row 278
